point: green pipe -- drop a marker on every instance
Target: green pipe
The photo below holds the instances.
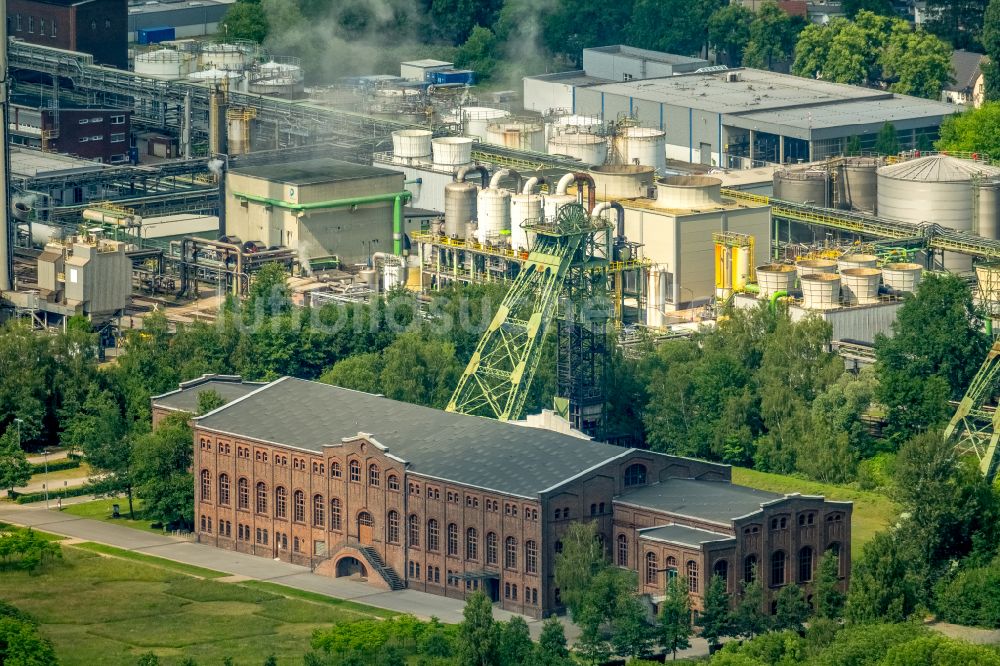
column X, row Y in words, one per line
column 989, row 326
column 397, row 199
column 751, row 288
column 775, row 296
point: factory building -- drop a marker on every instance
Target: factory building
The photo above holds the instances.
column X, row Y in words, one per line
column 102, row 135
column 447, row 503
column 322, row 207
column 97, row 27
column 185, row 19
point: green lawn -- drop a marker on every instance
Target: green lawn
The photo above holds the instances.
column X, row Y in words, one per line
column 108, row 610
column 872, row 511
column 53, row 478
column 101, row 510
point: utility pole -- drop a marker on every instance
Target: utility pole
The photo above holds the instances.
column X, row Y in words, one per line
column 6, row 235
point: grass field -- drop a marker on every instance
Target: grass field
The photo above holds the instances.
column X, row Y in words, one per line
column 52, row 478
column 100, row 609
column 872, row 511
column 101, row 510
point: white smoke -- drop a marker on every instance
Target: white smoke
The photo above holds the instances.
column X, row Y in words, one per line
column 215, row 166
column 305, row 252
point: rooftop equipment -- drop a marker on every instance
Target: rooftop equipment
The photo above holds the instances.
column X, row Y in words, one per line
column 902, row 278
column 820, row 291
column 774, row 278
column 622, row 181
column 859, row 286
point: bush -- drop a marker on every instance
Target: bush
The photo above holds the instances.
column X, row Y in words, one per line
column 55, row 465
column 28, row 498
column 876, row 472
column 971, row 597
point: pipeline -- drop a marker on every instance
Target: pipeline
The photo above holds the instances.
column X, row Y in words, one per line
column 775, row 296
column 530, row 184
column 620, row 235
column 484, row 175
column 415, row 181
column 564, row 183
column 580, row 179
column 500, row 173
column 397, row 208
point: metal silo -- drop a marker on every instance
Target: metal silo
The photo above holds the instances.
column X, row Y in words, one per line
column 807, row 186
column 988, row 209
column 459, row 207
column 642, row 145
column 588, row 148
column 856, row 187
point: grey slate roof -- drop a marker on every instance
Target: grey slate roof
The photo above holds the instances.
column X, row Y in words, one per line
column 711, row 500
column 186, row 397
column 967, row 69
column 311, row 172
column 689, row 536
column 467, row 449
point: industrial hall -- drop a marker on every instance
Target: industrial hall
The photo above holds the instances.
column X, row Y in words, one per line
column 402, row 496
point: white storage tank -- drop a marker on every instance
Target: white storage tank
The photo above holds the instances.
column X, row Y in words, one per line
column 859, row 286
column 622, row 181
column 809, row 266
column 223, row 56
column 553, row 202
column 517, row 134
column 988, row 210
column 234, row 79
column 642, row 145
column 408, row 145
column 476, row 118
column 459, row 207
column 588, row 148
column 656, row 297
column 451, row 150
column 493, row 212
column 772, row 278
column 902, row 278
column 164, row 63
column 689, row 192
column 524, row 207
column 856, row 261
column 278, row 78
column 805, row 186
column 820, row 291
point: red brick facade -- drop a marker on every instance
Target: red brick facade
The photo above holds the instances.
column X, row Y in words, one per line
column 97, row 27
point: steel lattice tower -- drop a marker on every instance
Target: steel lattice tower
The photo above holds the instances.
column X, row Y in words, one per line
column 974, row 428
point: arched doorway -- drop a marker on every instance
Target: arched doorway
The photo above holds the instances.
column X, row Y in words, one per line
column 351, row 566
column 366, row 525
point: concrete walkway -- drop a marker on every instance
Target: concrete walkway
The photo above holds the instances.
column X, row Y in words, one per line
column 249, row 567
column 58, row 484
column 52, row 457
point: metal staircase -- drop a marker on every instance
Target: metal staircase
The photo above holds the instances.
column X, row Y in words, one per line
column 388, row 573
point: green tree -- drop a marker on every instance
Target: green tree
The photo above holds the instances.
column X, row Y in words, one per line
column 917, row 62
column 959, row 22
column 887, row 141
column 15, row 470
column 715, row 618
column 973, row 131
column 827, row 596
column 631, row 633
column 772, row 37
column 939, row 650
column 515, row 647
column 572, row 25
column 480, row 53
column 162, row 469
column 439, row 371
column 674, row 26
column 245, row 20
column 148, row 659
column 361, row 373
column 729, row 32
column 675, row 617
column 883, row 589
column 851, row 8
column 551, row 648
column 477, row 634
column 792, row 609
column 813, row 47
column 580, row 561
column 749, row 619
column 20, row 642
column 209, row 400
column 991, row 46
column 970, row 597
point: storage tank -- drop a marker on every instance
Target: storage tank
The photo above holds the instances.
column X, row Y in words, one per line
column 689, row 192
column 622, row 181
column 902, row 278
column 772, row 278
column 642, row 145
column 656, row 297
column 408, row 145
column 451, row 150
column 476, row 118
column 809, row 266
column 164, row 63
column 588, row 148
column 988, row 210
column 553, row 202
column 517, row 134
column 820, row 291
column 493, row 215
column 278, row 78
column 856, row 186
column 805, row 186
column 223, row 56
column 235, row 80
column 859, row 286
column 934, row 189
column 392, row 275
column 524, row 207
column 369, row 278
column 856, row 261
column 459, row 207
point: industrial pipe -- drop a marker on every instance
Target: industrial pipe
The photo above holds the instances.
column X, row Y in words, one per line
column 775, row 296
column 397, row 208
column 564, row 183
column 484, row 175
column 530, row 184
column 500, row 173
column 620, row 230
column 580, row 178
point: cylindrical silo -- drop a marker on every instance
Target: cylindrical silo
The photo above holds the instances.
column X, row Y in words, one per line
column 807, row 186
column 622, row 181
column 164, row 63
column 517, row 134
column 688, row 192
column 588, row 148
column 856, row 187
column 523, row 208
column 553, row 202
column 475, row 119
column 459, row 208
column 231, row 57
column 451, row 150
column 408, row 145
column 657, row 285
column 859, row 286
column 820, row 291
column 809, row 266
column 772, row 278
column 642, row 145
column 988, row 209
column 902, row 278
column 856, row 261
column 493, row 213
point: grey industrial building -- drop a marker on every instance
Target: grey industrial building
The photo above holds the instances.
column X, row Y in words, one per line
column 188, row 19
column 736, row 117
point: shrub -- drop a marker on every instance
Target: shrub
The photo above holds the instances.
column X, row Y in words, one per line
column 971, row 597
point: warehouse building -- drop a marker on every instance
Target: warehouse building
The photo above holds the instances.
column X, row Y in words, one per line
column 446, row 503
column 185, row 19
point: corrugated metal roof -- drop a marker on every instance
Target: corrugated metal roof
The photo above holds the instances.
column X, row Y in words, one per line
column 938, row 169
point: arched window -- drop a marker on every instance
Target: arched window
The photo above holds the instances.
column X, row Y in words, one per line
column 243, row 494
column 319, row 511
column 206, row 485
column 299, row 506
column 622, row 550
column 433, row 535
column 413, row 530
column 365, row 519
column 692, row 575
column 355, row 468
column 749, row 568
column 224, row 489
column 453, row 539
column 510, row 553
column 392, row 527
column 671, row 567
column 530, row 557
column 805, row 564
column 721, row 570
column 652, row 569
column 834, row 551
column 635, row 475
column 261, row 497
column 491, row 548
column 335, row 472
column 393, row 482
column 373, row 475
column 471, row 544
column 335, row 521
column 778, row 568
column 280, row 502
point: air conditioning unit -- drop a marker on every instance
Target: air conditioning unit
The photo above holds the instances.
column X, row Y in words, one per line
column 733, row 77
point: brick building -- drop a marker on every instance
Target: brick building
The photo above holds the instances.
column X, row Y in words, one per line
column 406, row 496
column 97, row 27
column 102, row 135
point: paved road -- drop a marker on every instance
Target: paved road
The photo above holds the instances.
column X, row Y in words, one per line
column 185, row 550
column 52, row 457
column 57, row 484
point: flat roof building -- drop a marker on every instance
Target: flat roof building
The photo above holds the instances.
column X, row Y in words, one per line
column 188, row 19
